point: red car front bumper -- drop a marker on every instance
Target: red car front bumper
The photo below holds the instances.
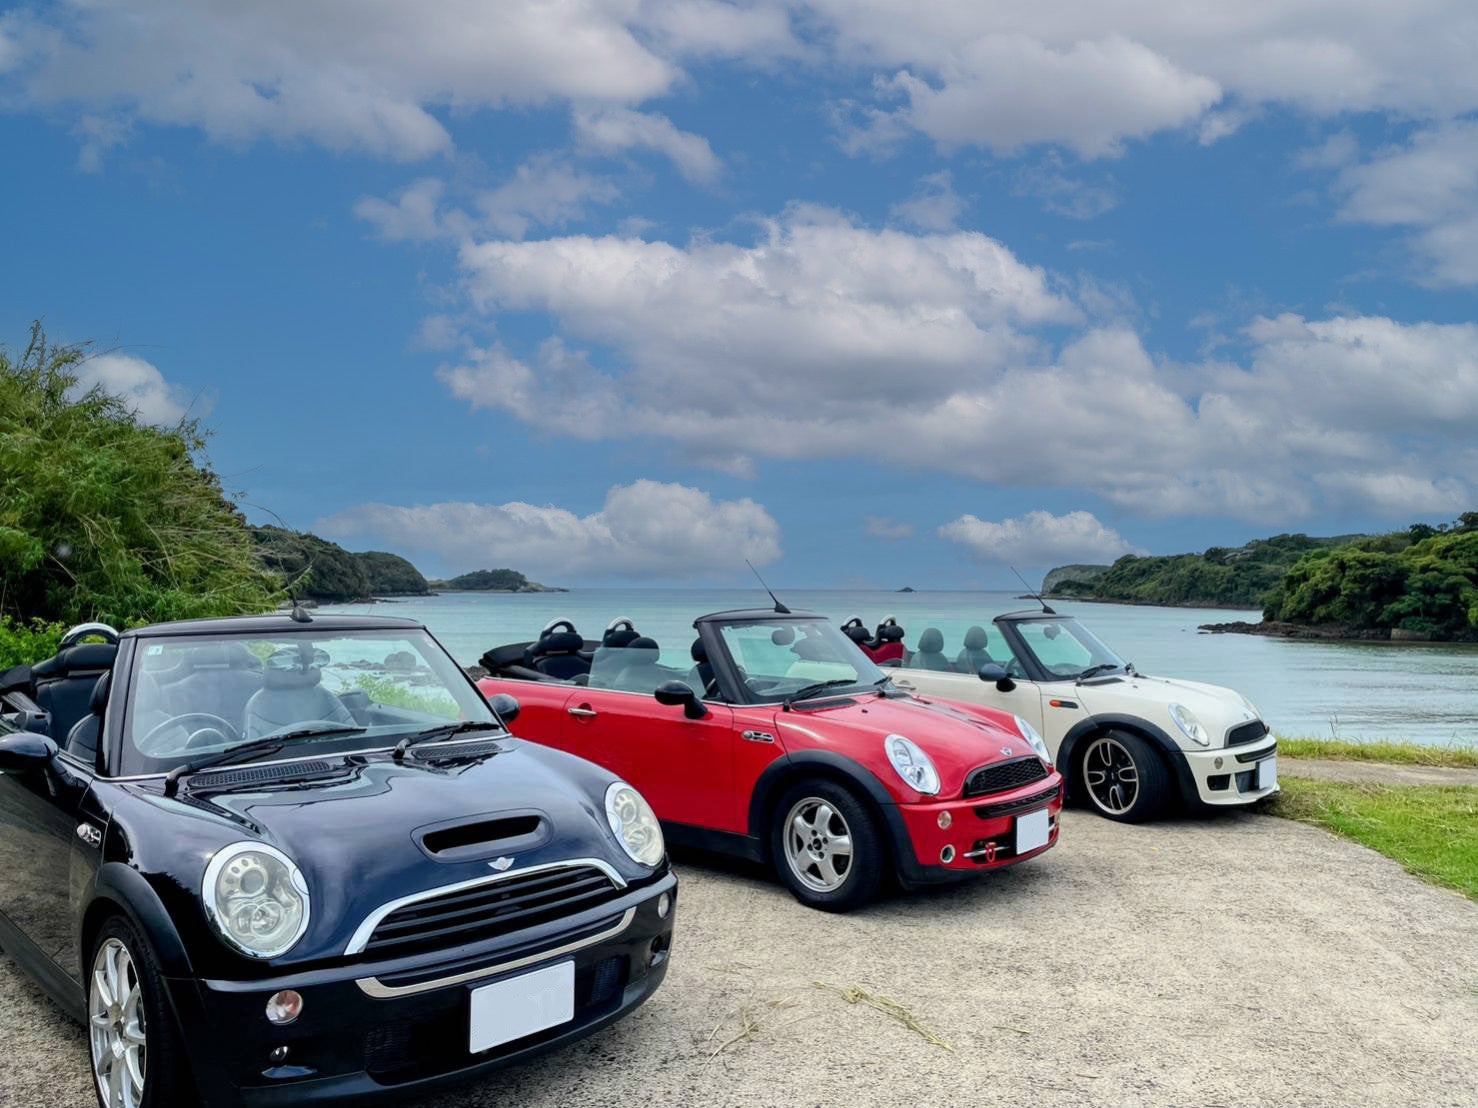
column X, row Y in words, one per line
column 958, row 836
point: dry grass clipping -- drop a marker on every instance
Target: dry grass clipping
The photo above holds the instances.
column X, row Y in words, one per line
column 853, row 994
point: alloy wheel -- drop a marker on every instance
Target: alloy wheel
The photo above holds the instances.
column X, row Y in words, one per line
column 1111, row 775
column 818, row 845
column 116, row 1032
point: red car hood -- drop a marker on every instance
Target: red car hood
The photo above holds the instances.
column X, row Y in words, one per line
column 957, row 737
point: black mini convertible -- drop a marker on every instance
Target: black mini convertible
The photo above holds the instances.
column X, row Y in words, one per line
column 298, row 859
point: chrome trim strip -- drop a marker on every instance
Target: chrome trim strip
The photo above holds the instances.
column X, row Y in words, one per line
column 371, row 986
column 361, row 937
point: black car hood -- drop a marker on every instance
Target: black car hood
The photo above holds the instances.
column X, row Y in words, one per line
column 354, row 829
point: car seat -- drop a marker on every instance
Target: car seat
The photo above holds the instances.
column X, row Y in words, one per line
column 64, row 684
column 618, row 636
column 217, row 677
column 974, row 655
column 557, row 655
column 293, row 695
column 82, row 739
column 887, row 646
column 855, row 631
column 701, row 678
column 640, row 671
column 930, row 654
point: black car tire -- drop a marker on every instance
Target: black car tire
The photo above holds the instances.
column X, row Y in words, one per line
column 1122, row 777
column 167, row 1081
column 849, row 817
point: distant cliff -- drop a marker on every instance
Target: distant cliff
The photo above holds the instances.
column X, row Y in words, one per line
column 493, row 580
column 316, row 569
column 1078, row 575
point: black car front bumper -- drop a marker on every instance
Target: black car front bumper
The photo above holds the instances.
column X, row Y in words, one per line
column 366, row 1034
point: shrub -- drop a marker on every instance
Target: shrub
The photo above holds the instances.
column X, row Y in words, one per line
column 27, row 643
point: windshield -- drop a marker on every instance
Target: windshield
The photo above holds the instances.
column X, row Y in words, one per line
column 196, row 697
column 781, row 657
column 1067, row 649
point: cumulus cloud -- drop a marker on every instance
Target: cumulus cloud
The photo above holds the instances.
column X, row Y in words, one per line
column 614, row 130
column 645, row 529
column 1038, row 538
column 934, row 206
column 140, row 385
column 883, row 527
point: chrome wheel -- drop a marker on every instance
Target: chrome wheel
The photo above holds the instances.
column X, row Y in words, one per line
column 818, row 845
column 115, row 1025
column 1111, row 775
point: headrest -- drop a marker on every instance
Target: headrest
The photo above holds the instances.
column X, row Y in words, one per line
column 811, row 650
column 77, row 659
column 890, row 632
column 641, row 651
column 858, row 633
column 976, row 638
column 291, row 678
column 223, row 655
column 782, row 636
column 641, row 642
column 699, row 651
column 618, row 637
column 99, row 700
column 931, row 641
column 560, row 642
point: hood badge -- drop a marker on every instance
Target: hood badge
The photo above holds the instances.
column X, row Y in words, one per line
column 1007, row 751
column 501, row 864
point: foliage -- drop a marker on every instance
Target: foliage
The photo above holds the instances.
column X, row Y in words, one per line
column 1422, row 582
column 391, row 575
column 1395, row 753
column 25, row 643
column 105, row 517
column 1432, row 831
column 1228, row 577
column 503, row 580
column 393, row 694
column 312, row 567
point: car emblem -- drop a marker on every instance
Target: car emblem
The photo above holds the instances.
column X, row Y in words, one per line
column 1007, row 751
column 501, row 864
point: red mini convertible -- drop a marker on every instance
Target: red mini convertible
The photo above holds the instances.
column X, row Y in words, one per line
column 781, row 742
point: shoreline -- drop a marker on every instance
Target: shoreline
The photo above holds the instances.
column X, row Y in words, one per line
column 1328, row 632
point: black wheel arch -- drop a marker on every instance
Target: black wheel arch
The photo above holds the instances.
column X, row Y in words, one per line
column 122, row 890
column 828, row 766
column 1152, row 733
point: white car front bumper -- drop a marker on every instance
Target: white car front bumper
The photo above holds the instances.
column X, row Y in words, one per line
column 1230, row 776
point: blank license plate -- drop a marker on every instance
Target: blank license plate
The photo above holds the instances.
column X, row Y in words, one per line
column 508, row 1010
column 1267, row 773
column 1032, row 831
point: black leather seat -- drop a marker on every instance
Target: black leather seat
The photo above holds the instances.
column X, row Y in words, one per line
column 701, row 678
column 82, row 739
column 975, row 654
column 855, row 631
column 615, row 638
column 289, row 697
column 930, row 654
column 218, row 678
column 640, row 669
column 64, row 684
column 558, row 655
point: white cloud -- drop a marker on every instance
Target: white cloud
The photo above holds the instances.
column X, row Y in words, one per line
column 884, row 527
column 646, row 529
column 614, row 130
column 1057, row 192
column 934, row 206
column 412, row 215
column 141, row 386
column 1038, row 539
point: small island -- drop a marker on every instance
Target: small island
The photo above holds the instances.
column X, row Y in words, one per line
column 493, row 580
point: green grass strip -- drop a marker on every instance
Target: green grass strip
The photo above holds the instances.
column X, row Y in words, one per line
column 1410, row 754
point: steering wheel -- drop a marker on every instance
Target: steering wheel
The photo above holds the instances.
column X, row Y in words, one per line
column 215, row 725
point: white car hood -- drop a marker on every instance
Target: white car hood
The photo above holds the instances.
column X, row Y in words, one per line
column 1217, row 708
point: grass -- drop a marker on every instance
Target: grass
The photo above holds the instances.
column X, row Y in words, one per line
column 1432, row 831
column 1410, row 754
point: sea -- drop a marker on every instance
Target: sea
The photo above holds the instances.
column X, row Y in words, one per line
column 1421, row 693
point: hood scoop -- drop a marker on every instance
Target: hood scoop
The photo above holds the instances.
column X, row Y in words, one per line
column 501, row 834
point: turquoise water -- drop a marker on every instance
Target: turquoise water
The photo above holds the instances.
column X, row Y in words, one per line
column 1353, row 691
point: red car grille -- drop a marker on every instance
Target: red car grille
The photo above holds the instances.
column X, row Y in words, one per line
column 1005, row 775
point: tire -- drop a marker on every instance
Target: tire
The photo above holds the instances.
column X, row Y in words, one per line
column 817, row 873
column 1123, row 777
column 152, row 1042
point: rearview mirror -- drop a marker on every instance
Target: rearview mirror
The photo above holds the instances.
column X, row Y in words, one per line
column 505, row 707
column 673, row 693
column 994, row 671
column 25, row 752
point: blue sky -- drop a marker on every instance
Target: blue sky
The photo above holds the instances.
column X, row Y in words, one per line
column 629, row 291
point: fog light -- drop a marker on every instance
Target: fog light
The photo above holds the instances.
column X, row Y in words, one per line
column 1217, row 763
column 664, row 905
column 947, row 855
column 945, row 819
column 278, row 1056
column 284, row 1007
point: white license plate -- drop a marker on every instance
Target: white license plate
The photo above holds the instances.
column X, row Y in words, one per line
column 1267, row 773
column 532, row 1002
column 1032, row 831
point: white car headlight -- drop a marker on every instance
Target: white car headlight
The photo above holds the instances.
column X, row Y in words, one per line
column 634, row 824
column 912, row 764
column 1029, row 733
column 1186, row 720
column 257, row 899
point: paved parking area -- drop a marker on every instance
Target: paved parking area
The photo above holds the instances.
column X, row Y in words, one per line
column 1233, row 960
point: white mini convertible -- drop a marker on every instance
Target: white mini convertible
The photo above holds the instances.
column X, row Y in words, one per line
column 1127, row 744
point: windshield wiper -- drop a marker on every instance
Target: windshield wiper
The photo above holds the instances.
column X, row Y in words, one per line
column 267, row 744
column 1093, row 671
column 805, row 692
column 442, row 731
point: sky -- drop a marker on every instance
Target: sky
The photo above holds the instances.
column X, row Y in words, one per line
column 869, row 292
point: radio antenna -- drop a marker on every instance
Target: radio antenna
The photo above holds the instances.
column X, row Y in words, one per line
column 1031, row 592
column 779, row 607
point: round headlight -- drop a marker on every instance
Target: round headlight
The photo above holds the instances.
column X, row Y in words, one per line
column 1186, row 720
column 912, row 764
column 634, row 824
column 1038, row 744
column 256, row 898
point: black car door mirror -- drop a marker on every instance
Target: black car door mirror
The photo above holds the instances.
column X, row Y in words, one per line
column 26, row 751
column 673, row 693
column 506, row 707
column 994, row 671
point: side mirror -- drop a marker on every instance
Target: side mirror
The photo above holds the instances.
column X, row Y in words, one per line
column 505, row 707
column 26, row 752
column 994, row 671
column 673, row 693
